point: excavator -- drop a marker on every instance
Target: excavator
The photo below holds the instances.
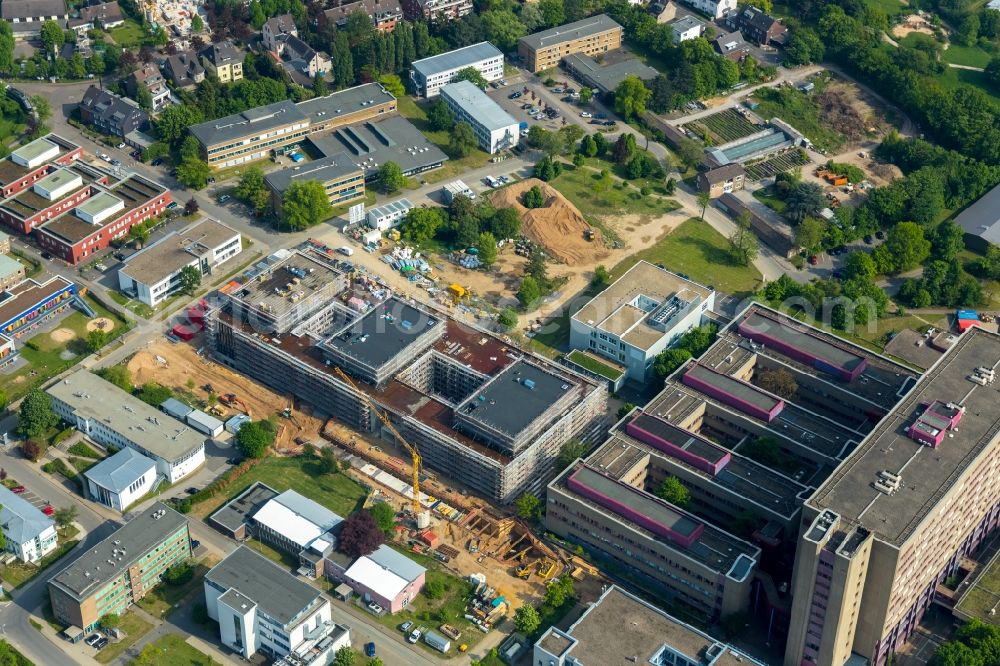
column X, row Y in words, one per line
column 232, row 400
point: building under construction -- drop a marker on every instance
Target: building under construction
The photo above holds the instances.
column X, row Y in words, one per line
column 486, row 414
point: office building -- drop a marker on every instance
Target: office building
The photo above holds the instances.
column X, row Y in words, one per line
column 262, row 609
column 387, row 216
column 387, row 578
column 224, row 61
column 495, row 129
column 620, row 628
column 431, row 74
column 120, row 570
column 121, row 479
column 292, row 523
column 437, row 11
column 110, row 416
column 642, row 313
column 154, row 273
column 29, row 534
column 342, row 179
column 592, row 36
column 447, row 388
column 605, row 78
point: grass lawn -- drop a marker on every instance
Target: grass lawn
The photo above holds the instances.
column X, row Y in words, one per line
column 597, row 197
column 18, row 573
column 971, row 56
column 766, row 197
column 131, row 304
column 171, row 650
column 164, row 598
column 338, row 492
column 552, row 339
column 285, row 559
column 595, row 366
column 699, row 251
column 129, row 33
column 453, row 168
column 889, row 7
column 800, row 111
column 951, row 78
column 135, row 628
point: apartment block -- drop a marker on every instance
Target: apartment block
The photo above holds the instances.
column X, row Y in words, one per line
column 436, row 10
column 446, row 387
column 120, row 570
column 495, row 129
column 723, row 179
column 431, row 74
column 29, row 534
column 716, row 9
column 590, row 36
column 224, row 60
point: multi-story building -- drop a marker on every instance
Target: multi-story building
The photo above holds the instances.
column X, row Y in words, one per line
column 111, row 114
column 716, row 9
column 620, row 628
column 105, row 15
column 12, row 272
column 148, row 77
column 642, row 313
column 184, row 70
column 900, row 513
column 446, row 387
column 687, row 27
column 495, row 129
column 590, row 36
column 120, row 570
column 32, row 303
column 110, row 416
column 29, row 534
column 341, row 178
column 34, row 161
column 718, row 181
column 431, row 74
column 756, row 26
column 121, row 479
column 154, row 273
column 224, row 61
column 26, row 17
column 437, row 10
column 384, row 14
column 276, row 30
column 261, row 608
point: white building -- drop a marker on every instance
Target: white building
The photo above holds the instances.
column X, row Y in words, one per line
column 293, row 522
column 431, row 74
column 121, row 479
column 687, row 28
column 642, row 313
column 714, row 8
column 389, row 215
column 495, row 129
column 30, row 534
column 112, row 417
column 260, row 607
column 154, row 273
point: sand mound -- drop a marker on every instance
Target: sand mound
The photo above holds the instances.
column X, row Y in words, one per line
column 100, row 324
column 558, row 225
column 62, row 335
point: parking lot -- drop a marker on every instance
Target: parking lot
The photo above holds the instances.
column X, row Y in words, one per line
column 33, row 499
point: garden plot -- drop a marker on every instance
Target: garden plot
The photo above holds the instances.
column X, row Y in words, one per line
column 725, row 126
column 778, row 164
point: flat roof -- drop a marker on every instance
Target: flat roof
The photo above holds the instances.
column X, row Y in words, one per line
column 320, row 110
column 680, row 438
column 382, row 333
column 335, row 166
column 478, row 104
column 237, row 512
column 9, row 266
column 581, row 29
column 28, row 294
column 268, row 289
column 371, row 144
column 927, row 474
column 777, row 329
column 456, row 59
column 257, row 121
column 398, row 206
column 685, row 23
column 516, row 397
column 37, row 148
column 730, row 386
column 94, row 398
column 119, row 471
column 278, row 593
column 58, row 178
column 127, row 545
column 162, row 259
column 607, row 77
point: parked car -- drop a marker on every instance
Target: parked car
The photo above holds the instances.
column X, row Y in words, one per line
column 92, row 639
column 48, row 509
column 121, row 145
column 526, row 105
column 101, row 644
column 880, row 234
column 586, row 114
column 194, row 544
column 514, row 95
column 105, row 157
column 17, row 490
column 813, row 259
column 116, row 163
column 46, row 256
column 157, row 162
column 415, row 636
column 173, row 204
column 224, row 198
column 869, row 240
column 369, row 649
column 405, row 627
column 191, row 491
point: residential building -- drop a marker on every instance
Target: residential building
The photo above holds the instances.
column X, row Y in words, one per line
column 590, row 36
column 387, row 216
column 121, row 569
column 642, row 313
column 664, row 10
column 772, row 229
column 981, row 221
column 620, row 627
column 121, row 479
column 431, row 74
column 110, row 416
column 184, row 70
column 341, row 178
column 437, row 11
column 715, row 9
column 756, row 26
column 899, row 515
column 34, row 161
column 396, row 351
column 387, row 578
column 718, row 181
column 261, row 608
column 302, row 62
column 224, row 61
column 105, row 16
column 605, row 78
column 27, row 16
column 732, row 46
column 495, row 129
column 30, row 535
column 148, row 77
column 154, row 273
column 11, row 272
column 384, row 14
column 687, row 27
column 111, row 114
column 276, row 30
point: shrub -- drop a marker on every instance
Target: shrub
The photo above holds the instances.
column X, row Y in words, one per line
column 84, row 451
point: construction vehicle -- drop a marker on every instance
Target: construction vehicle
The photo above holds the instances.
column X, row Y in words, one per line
column 523, row 571
column 215, row 410
column 545, row 568
column 421, row 516
column 288, row 414
column 232, row 400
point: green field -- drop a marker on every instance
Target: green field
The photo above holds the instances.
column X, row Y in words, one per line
column 800, row 111
column 951, row 78
column 135, row 628
column 172, row 650
column 766, row 197
column 889, row 7
column 595, row 366
column 164, row 598
column 453, row 168
column 18, row 573
column 700, row 252
column 597, row 197
column 972, row 56
column 128, row 34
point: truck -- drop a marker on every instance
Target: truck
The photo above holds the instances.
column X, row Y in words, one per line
column 437, row 641
column 345, row 250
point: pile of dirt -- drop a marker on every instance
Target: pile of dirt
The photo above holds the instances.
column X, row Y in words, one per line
column 837, row 112
column 558, row 225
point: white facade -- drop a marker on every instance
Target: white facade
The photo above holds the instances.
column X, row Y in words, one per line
column 121, row 500
column 714, row 8
column 389, row 215
column 687, row 28
column 120, row 480
column 431, row 74
column 495, row 129
column 34, row 549
column 30, row 534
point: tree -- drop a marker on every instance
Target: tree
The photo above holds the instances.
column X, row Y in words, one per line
column 906, row 244
column 154, row 394
column 462, row 140
column 191, row 206
column 624, row 148
column 175, row 119
column 32, row 450
column 602, row 277
column 559, row 592
column 179, row 574
column 36, row 414
column 421, row 224
column 65, row 516
column 305, row 204
column 526, row 619
column 585, row 95
column 254, row 437
column 624, row 410
column 570, row 451
column 529, row 507
column 780, row 382
column 53, row 37
column 503, row 28
column 96, row 339
column 704, row 198
column 439, row 116
column 487, row 249
column 375, row 661
column 669, row 360
column 360, row 534
column 472, row 75
column 505, row 223
column 547, row 169
column 673, row 491
column 110, row 621
column 118, row 375
column 809, row 233
column 385, row 516
column 252, row 190
column 533, row 198
column 6, row 48
column 743, row 244
column 43, row 111
column 805, row 200
column 197, row 25
column 345, row 656
column 947, row 241
column 390, row 177
column 194, row 172
column 689, row 152
column 189, row 280
column 860, row 265
column 507, row 318
column 529, row 291
column 144, row 98
column 631, row 97
column 319, row 85
column 434, row 589
column 393, row 85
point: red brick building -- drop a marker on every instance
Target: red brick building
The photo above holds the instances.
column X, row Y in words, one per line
column 34, row 161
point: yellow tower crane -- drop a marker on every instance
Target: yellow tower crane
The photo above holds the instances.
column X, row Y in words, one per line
column 414, row 454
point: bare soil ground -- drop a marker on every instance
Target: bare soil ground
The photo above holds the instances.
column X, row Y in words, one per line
column 62, row 335
column 912, row 23
column 183, row 364
column 100, row 324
